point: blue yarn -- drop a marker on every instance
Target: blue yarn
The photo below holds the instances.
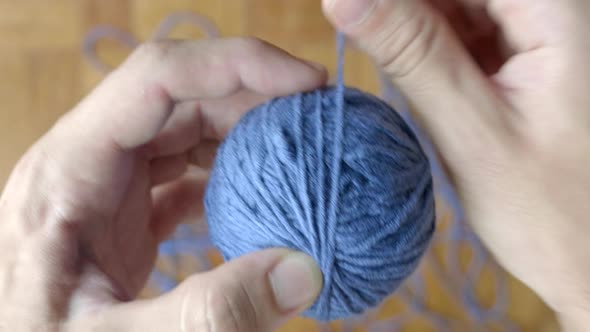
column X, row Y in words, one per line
column 341, row 179
column 188, row 242
column 335, row 173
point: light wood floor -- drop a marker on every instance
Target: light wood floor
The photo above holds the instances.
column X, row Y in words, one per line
column 42, row 72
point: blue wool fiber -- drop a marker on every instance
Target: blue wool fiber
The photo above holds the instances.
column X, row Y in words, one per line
column 335, row 173
column 348, row 185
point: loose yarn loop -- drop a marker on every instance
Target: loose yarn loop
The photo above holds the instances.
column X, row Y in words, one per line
column 335, row 173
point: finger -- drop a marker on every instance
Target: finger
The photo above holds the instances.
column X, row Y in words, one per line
column 177, row 202
column 255, row 293
column 467, row 18
column 94, row 291
column 451, row 96
column 166, row 169
column 181, row 132
column 204, row 154
column 133, row 104
column 206, row 119
column 471, row 22
column 220, row 115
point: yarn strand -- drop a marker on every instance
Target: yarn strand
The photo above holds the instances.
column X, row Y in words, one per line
column 335, row 173
column 336, row 161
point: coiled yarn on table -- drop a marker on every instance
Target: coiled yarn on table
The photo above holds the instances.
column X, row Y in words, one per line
column 335, row 173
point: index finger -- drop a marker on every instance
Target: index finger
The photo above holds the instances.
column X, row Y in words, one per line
column 131, row 106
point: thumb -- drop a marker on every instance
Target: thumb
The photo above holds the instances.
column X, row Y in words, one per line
column 423, row 56
column 254, row 293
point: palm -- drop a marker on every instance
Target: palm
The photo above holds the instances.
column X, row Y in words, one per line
column 124, row 250
column 528, row 74
column 150, row 193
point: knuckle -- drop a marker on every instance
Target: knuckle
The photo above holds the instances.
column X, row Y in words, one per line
column 34, row 173
column 154, row 51
column 228, row 307
column 404, row 45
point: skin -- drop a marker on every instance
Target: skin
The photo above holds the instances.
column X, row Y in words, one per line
column 86, row 207
column 504, row 98
column 499, row 85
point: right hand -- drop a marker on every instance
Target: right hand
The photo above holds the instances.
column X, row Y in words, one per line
column 511, row 122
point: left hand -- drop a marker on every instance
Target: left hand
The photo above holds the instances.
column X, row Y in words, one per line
column 85, row 209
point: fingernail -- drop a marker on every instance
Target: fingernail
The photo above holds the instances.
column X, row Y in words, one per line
column 315, row 65
column 296, row 282
column 348, row 13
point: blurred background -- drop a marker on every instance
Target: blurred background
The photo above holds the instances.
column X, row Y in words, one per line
column 53, row 52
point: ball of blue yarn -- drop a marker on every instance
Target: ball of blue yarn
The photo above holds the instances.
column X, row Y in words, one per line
column 347, row 184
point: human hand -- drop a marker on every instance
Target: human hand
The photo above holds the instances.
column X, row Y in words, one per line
column 86, row 207
column 506, row 102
